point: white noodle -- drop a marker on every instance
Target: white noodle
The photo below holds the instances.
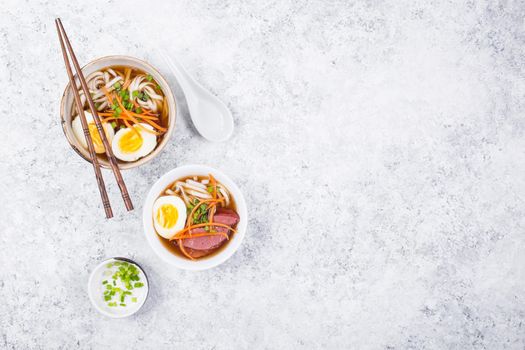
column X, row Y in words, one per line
column 181, row 189
column 195, row 189
column 198, row 194
column 195, row 183
column 110, row 84
column 224, row 192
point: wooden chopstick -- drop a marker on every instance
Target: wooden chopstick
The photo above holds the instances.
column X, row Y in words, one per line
column 109, row 152
column 87, row 135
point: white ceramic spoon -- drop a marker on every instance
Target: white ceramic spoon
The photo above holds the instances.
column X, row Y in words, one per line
column 212, row 119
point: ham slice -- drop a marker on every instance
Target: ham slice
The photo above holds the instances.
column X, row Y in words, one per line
column 209, row 243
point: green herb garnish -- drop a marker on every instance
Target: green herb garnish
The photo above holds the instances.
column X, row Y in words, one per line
column 128, row 275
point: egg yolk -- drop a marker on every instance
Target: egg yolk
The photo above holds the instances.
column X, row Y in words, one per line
column 167, row 215
column 130, row 142
column 95, row 136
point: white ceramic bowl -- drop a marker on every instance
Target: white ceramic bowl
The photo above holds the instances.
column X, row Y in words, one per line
column 96, row 291
column 206, row 262
column 103, row 62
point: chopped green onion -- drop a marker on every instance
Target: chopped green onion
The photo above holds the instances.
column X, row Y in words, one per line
column 127, row 273
column 149, row 77
column 134, row 299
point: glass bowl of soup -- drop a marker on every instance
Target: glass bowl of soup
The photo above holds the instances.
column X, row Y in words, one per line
column 135, row 104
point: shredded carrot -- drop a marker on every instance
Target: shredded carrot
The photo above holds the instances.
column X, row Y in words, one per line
column 105, row 91
column 204, row 234
column 191, row 227
column 108, row 114
column 116, row 118
column 147, row 120
column 130, row 115
column 212, row 210
column 127, row 81
column 112, row 116
column 181, row 246
column 214, row 184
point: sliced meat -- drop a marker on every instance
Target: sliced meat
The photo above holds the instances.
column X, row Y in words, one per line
column 198, row 253
column 222, row 216
column 206, row 242
column 226, row 216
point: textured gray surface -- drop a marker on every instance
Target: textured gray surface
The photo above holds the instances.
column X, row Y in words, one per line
column 380, row 146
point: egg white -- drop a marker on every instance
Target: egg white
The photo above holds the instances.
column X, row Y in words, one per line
column 181, row 220
column 76, row 125
column 149, row 141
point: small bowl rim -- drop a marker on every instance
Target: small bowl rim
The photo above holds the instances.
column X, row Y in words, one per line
column 91, row 281
column 207, row 262
column 172, row 113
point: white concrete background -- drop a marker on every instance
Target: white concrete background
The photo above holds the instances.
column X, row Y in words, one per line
column 380, row 146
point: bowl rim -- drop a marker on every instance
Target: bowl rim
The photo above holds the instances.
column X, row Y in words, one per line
column 172, row 102
column 91, row 281
column 153, row 239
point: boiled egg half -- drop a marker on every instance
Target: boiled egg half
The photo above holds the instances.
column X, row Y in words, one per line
column 130, row 144
column 169, row 215
column 76, row 125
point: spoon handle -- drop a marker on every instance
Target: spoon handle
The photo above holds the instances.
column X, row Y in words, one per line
column 184, row 79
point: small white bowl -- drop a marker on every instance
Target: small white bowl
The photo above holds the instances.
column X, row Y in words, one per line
column 205, row 262
column 96, row 291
